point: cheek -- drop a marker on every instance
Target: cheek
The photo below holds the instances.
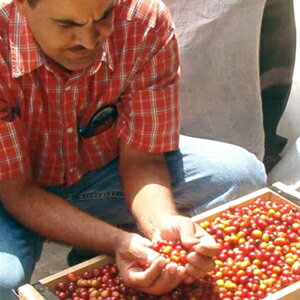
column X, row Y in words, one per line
column 51, row 39
column 106, row 30
column 56, row 42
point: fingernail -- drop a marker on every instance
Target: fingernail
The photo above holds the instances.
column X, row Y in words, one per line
column 198, row 248
column 181, row 270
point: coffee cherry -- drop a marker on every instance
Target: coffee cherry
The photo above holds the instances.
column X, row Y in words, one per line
column 105, row 283
column 262, row 255
column 172, row 251
column 259, row 255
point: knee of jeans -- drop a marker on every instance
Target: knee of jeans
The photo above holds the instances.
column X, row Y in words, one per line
column 244, row 172
column 12, row 273
column 224, row 178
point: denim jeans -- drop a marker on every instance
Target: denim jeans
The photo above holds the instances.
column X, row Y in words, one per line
column 204, row 174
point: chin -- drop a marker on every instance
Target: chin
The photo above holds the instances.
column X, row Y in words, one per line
column 77, row 64
column 76, row 67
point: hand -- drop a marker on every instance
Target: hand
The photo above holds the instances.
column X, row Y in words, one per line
column 202, row 245
column 132, row 251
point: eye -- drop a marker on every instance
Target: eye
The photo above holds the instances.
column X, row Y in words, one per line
column 65, row 26
column 66, row 23
column 106, row 16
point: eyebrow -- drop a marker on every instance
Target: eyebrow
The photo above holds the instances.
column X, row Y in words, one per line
column 71, row 22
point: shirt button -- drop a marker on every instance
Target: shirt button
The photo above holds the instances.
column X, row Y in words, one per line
column 71, row 170
column 68, row 88
column 70, row 130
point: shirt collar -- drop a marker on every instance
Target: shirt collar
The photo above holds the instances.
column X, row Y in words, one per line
column 104, row 56
column 27, row 55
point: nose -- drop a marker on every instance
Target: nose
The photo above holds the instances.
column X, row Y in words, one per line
column 88, row 37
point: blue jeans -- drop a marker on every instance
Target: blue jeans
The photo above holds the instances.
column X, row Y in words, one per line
column 204, row 174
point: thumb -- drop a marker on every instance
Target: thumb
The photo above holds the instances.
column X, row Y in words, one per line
column 141, row 252
column 187, row 235
column 148, row 255
column 156, row 237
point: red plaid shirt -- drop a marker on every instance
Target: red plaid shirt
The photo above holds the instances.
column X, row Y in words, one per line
column 41, row 106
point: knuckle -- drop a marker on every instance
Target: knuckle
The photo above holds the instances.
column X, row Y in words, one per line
column 196, row 273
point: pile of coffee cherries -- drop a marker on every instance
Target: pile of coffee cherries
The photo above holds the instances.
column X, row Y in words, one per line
column 259, row 255
column 106, row 283
column 260, row 249
column 172, row 251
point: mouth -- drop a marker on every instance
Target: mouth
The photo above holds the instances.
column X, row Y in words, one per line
column 83, row 52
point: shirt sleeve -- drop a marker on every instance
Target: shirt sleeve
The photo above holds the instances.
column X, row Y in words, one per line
column 149, row 110
column 13, row 150
column 149, row 115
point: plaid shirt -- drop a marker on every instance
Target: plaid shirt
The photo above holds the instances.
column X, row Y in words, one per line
column 41, row 106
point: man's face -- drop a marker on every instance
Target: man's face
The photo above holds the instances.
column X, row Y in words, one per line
column 70, row 32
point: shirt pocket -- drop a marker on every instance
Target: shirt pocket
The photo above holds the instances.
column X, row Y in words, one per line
column 100, row 149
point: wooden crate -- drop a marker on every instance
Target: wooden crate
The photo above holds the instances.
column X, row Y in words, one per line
column 277, row 193
column 40, row 291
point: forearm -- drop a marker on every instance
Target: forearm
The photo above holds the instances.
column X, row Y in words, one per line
column 54, row 218
column 147, row 189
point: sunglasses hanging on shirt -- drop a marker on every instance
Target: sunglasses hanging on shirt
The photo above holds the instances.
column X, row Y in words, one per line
column 102, row 119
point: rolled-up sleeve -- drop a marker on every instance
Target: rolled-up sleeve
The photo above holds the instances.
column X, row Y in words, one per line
column 149, row 115
column 13, row 156
column 13, row 146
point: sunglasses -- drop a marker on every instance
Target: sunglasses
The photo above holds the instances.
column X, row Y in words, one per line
column 102, row 119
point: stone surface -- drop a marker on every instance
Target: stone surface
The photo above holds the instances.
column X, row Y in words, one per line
column 53, row 260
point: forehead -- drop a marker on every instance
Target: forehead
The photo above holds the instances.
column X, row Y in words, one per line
column 74, row 8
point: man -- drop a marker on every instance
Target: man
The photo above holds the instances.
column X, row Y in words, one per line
column 89, row 140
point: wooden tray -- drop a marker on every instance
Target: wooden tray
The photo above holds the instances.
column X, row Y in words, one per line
column 43, row 290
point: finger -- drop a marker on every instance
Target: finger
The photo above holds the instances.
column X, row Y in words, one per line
column 145, row 278
column 156, row 237
column 174, row 270
column 172, row 276
column 150, row 256
column 194, row 272
column 143, row 255
column 187, row 234
column 207, row 246
column 146, row 242
column 189, row 280
column 203, row 263
column 200, row 232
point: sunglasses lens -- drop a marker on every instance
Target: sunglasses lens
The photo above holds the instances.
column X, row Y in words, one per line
column 102, row 115
column 101, row 121
column 104, row 126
